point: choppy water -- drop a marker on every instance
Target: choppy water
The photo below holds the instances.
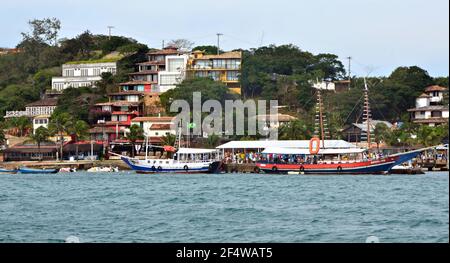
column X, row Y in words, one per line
column 128, row 207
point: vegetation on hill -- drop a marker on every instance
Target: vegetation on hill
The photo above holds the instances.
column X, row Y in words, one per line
column 285, row 73
column 25, row 76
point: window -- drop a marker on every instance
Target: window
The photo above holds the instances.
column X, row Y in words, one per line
column 233, row 64
column 214, row 75
column 168, row 80
column 175, row 64
column 436, row 114
column 218, row 63
column 202, row 64
column 97, row 72
column 232, row 75
column 201, row 74
column 123, row 118
column 84, row 72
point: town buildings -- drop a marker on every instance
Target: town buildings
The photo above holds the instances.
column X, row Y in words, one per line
column 40, row 121
column 44, row 106
column 357, row 132
column 82, row 74
column 336, row 86
column 163, row 70
column 430, row 109
column 225, row 67
column 156, row 126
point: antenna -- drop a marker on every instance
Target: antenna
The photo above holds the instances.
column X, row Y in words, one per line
column 218, row 42
column 109, row 31
column 261, row 40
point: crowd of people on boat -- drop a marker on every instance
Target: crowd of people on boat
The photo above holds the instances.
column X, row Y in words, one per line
column 241, row 157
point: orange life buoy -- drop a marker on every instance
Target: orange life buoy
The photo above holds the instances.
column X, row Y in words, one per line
column 313, row 150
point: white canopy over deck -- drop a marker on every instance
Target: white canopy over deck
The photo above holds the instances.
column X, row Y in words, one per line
column 296, row 144
column 195, row 151
column 294, row 151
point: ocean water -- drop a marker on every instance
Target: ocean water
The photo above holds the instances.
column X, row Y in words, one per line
column 129, row 207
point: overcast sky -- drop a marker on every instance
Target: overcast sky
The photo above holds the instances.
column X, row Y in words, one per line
column 379, row 34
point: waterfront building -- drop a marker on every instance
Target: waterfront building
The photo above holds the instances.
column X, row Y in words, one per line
column 40, row 107
column 174, row 73
column 356, row 132
column 82, row 74
column 168, row 60
column 430, row 109
column 225, row 67
column 156, row 126
column 31, row 152
column 40, row 121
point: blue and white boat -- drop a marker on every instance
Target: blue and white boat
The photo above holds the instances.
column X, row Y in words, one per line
column 185, row 160
column 7, row 171
column 26, row 170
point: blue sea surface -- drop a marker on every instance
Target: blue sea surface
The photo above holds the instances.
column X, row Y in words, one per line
column 129, row 207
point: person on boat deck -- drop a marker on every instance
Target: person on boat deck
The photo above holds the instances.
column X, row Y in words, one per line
column 315, row 159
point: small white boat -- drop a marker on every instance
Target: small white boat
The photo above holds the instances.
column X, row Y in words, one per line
column 67, row 170
column 103, row 170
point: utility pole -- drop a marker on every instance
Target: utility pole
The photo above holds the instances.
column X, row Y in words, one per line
column 218, row 42
column 349, row 71
column 163, row 44
column 109, row 31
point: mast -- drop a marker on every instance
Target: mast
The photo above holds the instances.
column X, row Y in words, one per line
column 321, row 119
column 321, row 130
column 367, row 114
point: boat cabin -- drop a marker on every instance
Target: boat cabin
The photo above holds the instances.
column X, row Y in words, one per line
column 303, row 156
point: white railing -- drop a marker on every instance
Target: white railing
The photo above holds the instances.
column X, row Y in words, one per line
column 12, row 114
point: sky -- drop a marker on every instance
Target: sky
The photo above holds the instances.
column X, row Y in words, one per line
column 379, row 35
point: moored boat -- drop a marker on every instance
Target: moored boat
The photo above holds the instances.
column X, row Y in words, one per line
column 330, row 161
column 26, row 170
column 8, row 171
column 185, row 160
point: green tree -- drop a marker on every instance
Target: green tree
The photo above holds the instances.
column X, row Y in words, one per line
column 60, row 123
column 22, row 123
column 43, row 30
column 136, row 133
column 209, row 50
column 2, row 136
column 40, row 135
column 79, row 131
column 169, row 139
column 381, row 133
column 295, row 130
column 210, row 90
column 212, row 141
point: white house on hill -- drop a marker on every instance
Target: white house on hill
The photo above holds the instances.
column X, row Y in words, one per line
column 429, row 108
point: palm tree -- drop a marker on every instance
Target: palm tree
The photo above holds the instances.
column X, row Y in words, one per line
column 381, row 133
column 294, row 130
column 40, row 135
column 136, row 133
column 60, row 124
column 169, row 139
column 23, row 123
column 212, row 141
column 80, row 131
